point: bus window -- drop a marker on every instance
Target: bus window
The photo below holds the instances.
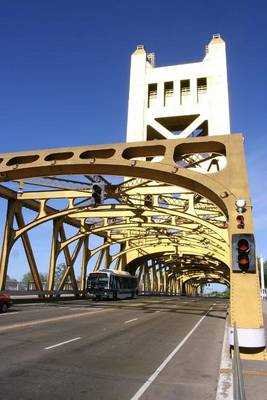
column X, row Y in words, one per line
column 117, row 283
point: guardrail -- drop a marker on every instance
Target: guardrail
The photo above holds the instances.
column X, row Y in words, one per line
column 238, row 382
column 39, row 293
column 55, row 293
column 151, row 293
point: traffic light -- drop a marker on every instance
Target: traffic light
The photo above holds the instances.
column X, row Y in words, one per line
column 148, row 200
column 244, row 254
column 240, row 221
column 97, row 193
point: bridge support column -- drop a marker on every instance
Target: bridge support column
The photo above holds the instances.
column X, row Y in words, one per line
column 85, row 259
column 246, row 314
column 53, row 254
column 183, row 288
column 28, row 251
column 245, row 300
column 7, row 243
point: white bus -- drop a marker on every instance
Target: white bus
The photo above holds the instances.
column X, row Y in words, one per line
column 111, row 285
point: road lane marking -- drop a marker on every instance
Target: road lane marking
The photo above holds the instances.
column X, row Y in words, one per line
column 168, row 299
column 10, row 313
column 151, row 379
column 47, row 320
column 131, row 320
column 60, row 344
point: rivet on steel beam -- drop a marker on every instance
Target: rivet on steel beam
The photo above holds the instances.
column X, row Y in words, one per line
column 175, row 169
column 53, row 162
column 223, row 195
column 133, row 163
column 91, row 160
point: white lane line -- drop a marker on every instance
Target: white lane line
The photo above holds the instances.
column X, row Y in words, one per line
column 53, row 319
column 81, row 308
column 8, row 314
column 167, row 360
column 131, row 320
column 60, row 344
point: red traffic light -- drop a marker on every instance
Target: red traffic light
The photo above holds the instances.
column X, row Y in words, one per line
column 243, row 256
column 243, row 253
column 243, row 261
column 243, row 245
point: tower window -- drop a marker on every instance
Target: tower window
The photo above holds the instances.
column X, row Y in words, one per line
column 168, row 88
column 185, row 87
column 152, row 93
column 201, row 85
column 168, row 91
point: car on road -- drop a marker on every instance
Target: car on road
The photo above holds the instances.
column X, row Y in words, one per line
column 5, row 302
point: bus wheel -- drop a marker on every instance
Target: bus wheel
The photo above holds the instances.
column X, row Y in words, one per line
column 4, row 308
column 114, row 296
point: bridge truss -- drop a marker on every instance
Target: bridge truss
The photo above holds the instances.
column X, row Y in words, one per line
column 161, row 218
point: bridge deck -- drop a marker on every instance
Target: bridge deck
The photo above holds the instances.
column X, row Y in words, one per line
column 109, row 350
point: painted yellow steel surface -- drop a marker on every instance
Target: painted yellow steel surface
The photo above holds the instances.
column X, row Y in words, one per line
column 171, row 215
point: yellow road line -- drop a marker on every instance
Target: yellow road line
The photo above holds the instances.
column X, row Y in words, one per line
column 47, row 320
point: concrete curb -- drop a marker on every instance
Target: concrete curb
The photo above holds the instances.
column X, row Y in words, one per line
column 225, row 381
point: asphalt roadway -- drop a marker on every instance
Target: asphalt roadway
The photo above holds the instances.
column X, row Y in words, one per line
column 147, row 348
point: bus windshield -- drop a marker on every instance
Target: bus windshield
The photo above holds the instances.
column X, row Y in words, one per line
column 97, row 279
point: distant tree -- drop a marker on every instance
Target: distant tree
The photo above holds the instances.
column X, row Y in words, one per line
column 226, row 293
column 43, row 276
column 60, row 269
column 28, row 277
column 9, row 279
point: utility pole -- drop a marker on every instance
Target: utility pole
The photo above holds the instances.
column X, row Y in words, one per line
column 262, row 277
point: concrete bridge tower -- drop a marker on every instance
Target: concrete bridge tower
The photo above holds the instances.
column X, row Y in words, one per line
column 178, row 101
column 187, row 101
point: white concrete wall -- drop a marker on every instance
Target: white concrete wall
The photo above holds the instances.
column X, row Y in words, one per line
column 211, row 106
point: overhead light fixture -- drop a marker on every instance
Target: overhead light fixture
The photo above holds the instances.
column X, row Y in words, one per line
column 240, row 205
column 21, row 188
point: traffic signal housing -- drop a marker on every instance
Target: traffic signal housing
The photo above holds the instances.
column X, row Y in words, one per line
column 97, row 193
column 243, row 253
column 148, row 200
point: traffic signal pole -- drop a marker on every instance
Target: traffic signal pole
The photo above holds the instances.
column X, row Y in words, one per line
column 262, row 276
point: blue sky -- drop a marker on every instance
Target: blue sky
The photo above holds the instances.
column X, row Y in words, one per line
column 64, row 61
